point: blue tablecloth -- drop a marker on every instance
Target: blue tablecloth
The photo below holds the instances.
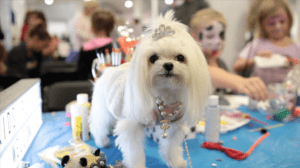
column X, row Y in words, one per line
column 280, row 149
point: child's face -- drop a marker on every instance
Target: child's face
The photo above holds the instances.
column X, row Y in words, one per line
column 36, row 44
column 212, row 38
column 277, row 26
column 34, row 20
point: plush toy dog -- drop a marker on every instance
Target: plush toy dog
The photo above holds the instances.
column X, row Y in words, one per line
column 89, row 161
column 167, row 83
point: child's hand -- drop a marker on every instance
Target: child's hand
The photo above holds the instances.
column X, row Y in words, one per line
column 292, row 61
column 254, row 87
column 51, row 48
column 265, row 53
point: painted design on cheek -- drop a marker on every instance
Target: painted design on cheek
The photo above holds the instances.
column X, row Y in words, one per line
column 212, row 37
column 277, row 22
column 209, row 27
column 277, row 19
column 200, row 36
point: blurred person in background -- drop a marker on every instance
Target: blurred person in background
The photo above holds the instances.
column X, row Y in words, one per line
column 3, row 57
column 137, row 28
column 103, row 22
column 24, row 60
column 3, row 68
column 271, row 22
column 185, row 9
column 32, row 19
column 51, row 48
column 82, row 25
column 5, row 81
column 208, row 27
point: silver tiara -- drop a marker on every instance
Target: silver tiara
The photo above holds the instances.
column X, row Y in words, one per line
column 162, row 31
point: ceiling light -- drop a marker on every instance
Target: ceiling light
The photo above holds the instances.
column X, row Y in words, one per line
column 49, row 2
column 128, row 4
column 169, row 2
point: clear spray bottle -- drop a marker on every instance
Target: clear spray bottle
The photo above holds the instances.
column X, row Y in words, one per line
column 212, row 120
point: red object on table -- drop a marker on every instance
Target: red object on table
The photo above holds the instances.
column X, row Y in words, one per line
column 235, row 154
column 297, row 112
column 127, row 45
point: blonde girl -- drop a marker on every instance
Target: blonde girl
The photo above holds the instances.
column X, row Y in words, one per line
column 271, row 21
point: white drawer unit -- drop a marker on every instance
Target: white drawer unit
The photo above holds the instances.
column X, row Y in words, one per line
column 20, row 120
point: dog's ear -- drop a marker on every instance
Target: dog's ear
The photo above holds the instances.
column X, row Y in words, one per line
column 199, row 86
column 65, row 160
column 97, row 152
column 83, row 161
column 138, row 99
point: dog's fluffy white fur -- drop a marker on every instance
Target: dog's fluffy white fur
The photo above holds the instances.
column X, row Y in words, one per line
column 126, row 95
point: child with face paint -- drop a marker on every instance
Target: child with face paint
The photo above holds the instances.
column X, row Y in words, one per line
column 272, row 21
column 208, row 27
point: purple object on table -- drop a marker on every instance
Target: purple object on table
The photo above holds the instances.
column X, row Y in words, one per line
column 73, row 57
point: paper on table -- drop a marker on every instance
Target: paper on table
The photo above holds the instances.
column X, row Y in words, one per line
column 226, row 124
column 236, row 101
column 275, row 60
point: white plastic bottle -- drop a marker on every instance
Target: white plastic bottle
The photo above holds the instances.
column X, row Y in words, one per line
column 212, row 120
column 82, row 100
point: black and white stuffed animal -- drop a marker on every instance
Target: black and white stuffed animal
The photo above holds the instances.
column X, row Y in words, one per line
column 86, row 161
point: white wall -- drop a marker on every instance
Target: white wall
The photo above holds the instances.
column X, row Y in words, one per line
column 5, row 19
column 297, row 11
column 19, row 8
column 59, row 11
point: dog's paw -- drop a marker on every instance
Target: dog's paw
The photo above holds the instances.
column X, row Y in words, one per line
column 103, row 143
column 135, row 165
column 182, row 164
column 178, row 164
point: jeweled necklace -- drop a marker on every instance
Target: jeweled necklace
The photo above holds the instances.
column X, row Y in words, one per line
column 166, row 117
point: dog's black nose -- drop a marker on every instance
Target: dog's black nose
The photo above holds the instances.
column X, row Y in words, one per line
column 168, row 66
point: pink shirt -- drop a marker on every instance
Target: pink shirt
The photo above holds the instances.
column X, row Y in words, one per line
column 270, row 75
column 96, row 43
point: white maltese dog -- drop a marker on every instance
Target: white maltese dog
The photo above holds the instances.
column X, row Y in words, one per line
column 167, row 82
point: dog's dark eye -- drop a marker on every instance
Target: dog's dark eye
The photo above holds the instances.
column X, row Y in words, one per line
column 153, row 58
column 180, row 58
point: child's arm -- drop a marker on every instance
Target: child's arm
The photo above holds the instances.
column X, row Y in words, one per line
column 254, row 87
column 246, row 56
column 240, row 64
